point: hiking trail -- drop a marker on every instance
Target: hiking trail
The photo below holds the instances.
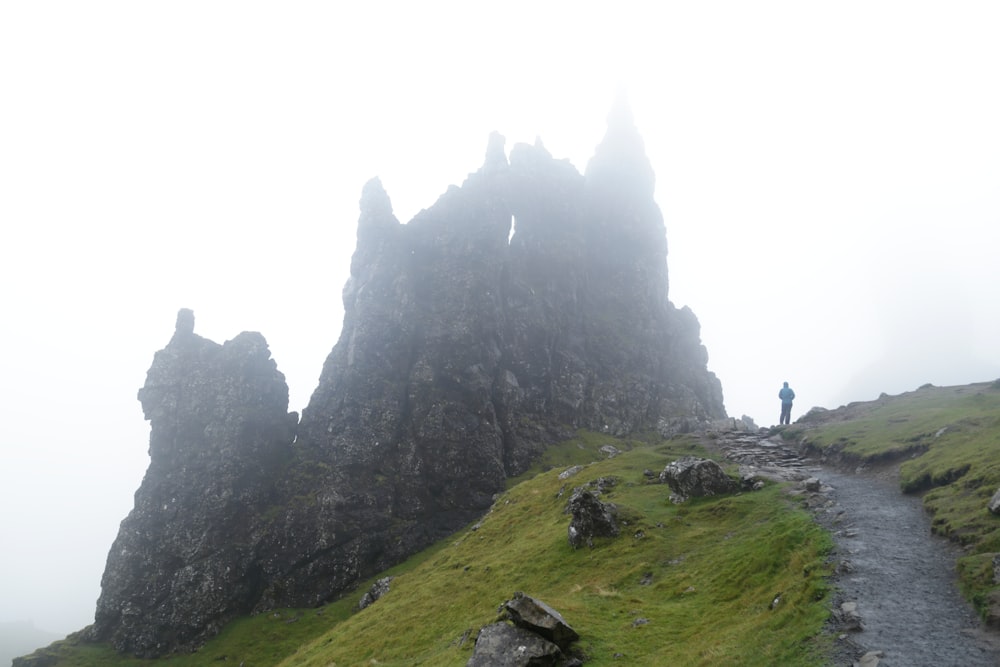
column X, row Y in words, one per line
column 896, row 600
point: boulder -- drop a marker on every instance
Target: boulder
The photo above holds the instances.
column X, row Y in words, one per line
column 503, row 645
column 692, row 476
column 610, row 451
column 994, row 504
column 870, row 659
column 849, row 617
column 378, row 589
column 569, row 472
column 539, row 636
column 534, row 615
column 591, row 518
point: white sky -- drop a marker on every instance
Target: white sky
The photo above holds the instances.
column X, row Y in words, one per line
column 829, row 173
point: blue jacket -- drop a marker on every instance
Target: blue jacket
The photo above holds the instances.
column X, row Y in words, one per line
column 786, row 395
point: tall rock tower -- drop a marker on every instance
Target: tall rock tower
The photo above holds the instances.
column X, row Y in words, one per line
column 185, row 558
column 529, row 302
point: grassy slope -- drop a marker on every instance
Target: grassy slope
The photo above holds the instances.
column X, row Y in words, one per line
column 950, row 440
column 716, row 566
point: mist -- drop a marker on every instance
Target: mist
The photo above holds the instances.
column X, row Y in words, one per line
column 828, row 178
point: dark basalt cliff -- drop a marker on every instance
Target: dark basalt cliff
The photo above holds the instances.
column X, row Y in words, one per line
column 465, row 350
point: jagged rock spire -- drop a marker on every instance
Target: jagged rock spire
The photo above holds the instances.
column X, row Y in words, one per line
column 219, row 429
column 185, row 322
column 496, row 158
column 620, row 164
column 376, row 207
column 462, row 356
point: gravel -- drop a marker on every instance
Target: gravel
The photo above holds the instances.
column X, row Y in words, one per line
column 902, row 578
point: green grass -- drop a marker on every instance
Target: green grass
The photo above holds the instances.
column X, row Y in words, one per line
column 948, row 442
column 253, row 641
column 584, row 448
column 715, row 564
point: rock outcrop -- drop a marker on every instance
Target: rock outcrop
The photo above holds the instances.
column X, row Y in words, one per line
column 994, row 504
column 539, row 636
column 527, row 303
column 187, row 558
column 591, row 518
column 693, row 476
column 534, row 615
column 505, row 645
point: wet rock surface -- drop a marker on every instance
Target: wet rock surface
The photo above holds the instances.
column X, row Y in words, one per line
column 539, row 636
column 762, row 457
column 897, row 602
column 692, row 476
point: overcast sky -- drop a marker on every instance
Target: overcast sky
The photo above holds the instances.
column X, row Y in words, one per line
column 829, row 173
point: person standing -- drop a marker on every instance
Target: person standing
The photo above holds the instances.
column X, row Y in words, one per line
column 787, row 396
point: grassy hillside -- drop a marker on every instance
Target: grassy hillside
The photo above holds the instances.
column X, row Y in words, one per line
column 946, row 442
column 692, row 584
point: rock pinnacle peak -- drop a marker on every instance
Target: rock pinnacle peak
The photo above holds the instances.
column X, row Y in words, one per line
column 620, row 161
column 375, row 202
column 185, row 322
column 496, row 158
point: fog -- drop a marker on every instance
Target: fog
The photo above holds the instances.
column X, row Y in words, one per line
column 829, row 175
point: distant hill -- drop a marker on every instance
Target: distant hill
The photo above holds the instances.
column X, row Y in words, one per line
column 21, row 637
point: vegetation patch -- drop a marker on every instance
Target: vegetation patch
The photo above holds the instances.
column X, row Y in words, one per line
column 693, row 582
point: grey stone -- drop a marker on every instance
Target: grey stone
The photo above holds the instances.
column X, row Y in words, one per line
column 503, row 645
column 692, row 476
column 994, row 504
column 569, row 472
column 378, row 589
column 536, row 616
column 850, row 619
column 870, row 659
column 590, row 518
column 610, row 451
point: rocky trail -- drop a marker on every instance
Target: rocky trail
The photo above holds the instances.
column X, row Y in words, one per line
column 897, row 603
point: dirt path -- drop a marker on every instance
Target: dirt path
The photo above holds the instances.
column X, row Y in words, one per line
column 900, row 577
